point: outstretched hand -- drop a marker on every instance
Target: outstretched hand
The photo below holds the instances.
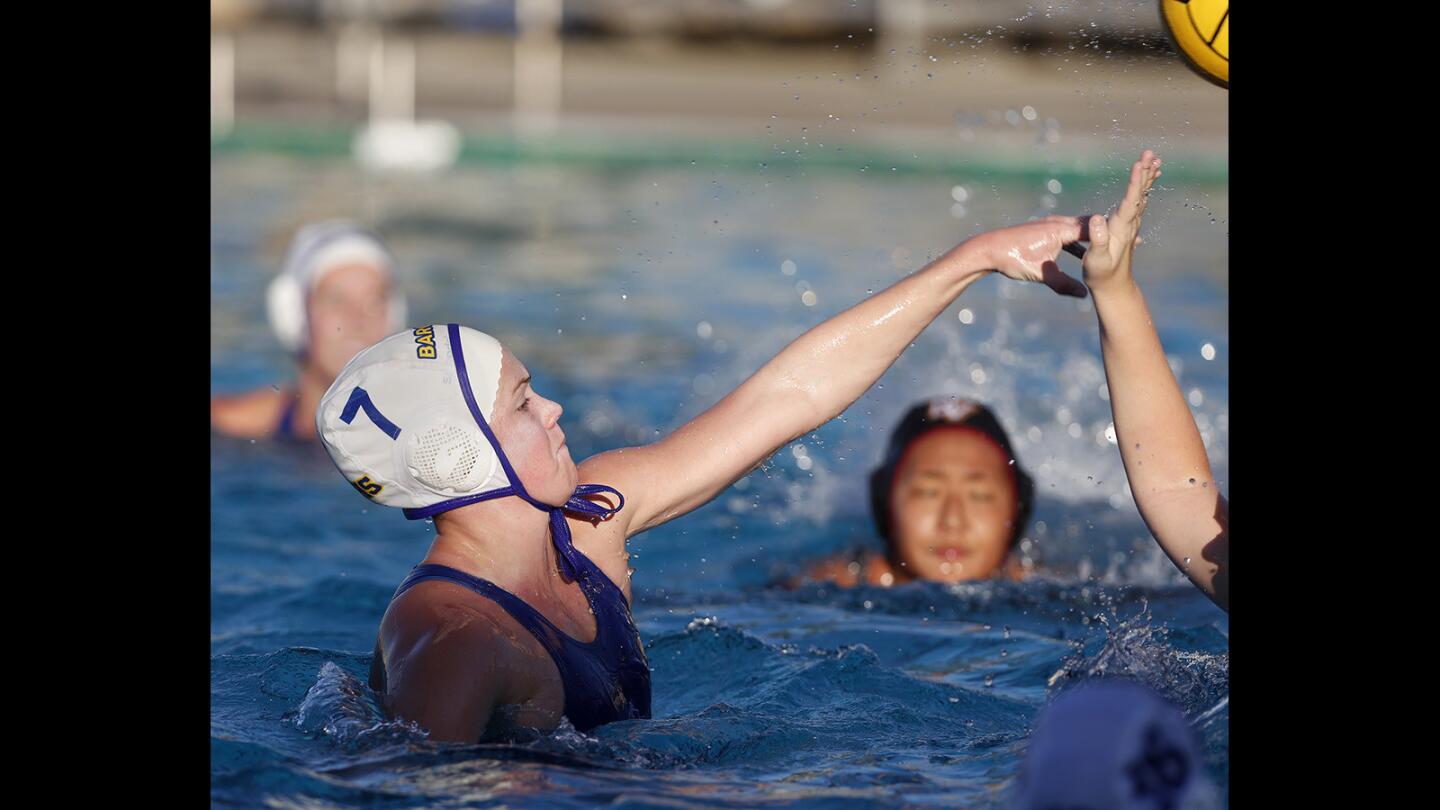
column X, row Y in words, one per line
column 1027, row 252
column 1113, row 240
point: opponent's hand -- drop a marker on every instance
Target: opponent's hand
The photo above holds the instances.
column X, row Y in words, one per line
column 1113, row 241
column 1027, row 252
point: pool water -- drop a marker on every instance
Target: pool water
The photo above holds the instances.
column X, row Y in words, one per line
column 638, row 298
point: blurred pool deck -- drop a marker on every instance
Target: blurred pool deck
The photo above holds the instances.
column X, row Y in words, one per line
column 1081, row 103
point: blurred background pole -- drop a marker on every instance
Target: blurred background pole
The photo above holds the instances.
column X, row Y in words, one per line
column 537, row 66
column 371, row 67
column 901, row 25
column 352, row 60
column 222, row 82
column 228, row 18
column 392, row 78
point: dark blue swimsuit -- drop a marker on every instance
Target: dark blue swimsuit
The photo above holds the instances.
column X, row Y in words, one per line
column 605, row 680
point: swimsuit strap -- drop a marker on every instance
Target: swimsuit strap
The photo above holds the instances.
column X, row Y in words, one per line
column 286, row 426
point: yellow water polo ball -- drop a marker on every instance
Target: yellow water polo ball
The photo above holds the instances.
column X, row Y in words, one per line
column 1201, row 32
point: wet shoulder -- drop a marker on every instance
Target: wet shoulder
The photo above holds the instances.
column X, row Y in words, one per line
column 1014, row 570
column 842, row 570
column 462, row 668
column 879, row 571
column 446, row 620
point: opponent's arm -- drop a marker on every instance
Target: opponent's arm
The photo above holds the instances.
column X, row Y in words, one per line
column 1160, row 446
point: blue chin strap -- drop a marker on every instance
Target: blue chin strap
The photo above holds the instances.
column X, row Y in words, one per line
column 559, row 529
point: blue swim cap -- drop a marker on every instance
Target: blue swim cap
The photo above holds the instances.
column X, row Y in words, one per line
column 1112, row 744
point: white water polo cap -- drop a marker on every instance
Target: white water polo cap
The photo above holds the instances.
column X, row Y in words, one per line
column 407, row 422
column 398, row 420
column 1113, row 744
column 317, row 249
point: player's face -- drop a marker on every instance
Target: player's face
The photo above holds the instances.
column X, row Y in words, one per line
column 954, row 504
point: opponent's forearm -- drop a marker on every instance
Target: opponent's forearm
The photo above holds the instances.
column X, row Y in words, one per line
column 826, row 369
column 1160, row 446
column 1148, row 406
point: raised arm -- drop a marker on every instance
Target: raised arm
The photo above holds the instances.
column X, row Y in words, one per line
column 817, row 376
column 1164, row 457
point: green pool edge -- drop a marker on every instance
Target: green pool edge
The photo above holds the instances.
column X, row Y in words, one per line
column 618, row 152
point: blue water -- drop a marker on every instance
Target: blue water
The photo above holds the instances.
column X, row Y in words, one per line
column 638, row 298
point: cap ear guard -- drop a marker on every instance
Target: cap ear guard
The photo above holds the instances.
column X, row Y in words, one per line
column 450, row 459
column 285, row 304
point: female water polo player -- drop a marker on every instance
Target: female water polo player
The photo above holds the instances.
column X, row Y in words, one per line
column 519, row 614
column 334, row 297
column 950, row 499
column 1160, row 446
